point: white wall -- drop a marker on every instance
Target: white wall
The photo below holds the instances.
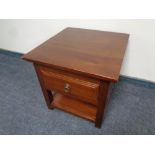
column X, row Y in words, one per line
column 24, row 35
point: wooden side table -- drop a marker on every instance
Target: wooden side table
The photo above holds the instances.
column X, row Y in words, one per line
column 79, row 66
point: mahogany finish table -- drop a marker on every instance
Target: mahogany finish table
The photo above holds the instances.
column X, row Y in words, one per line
column 76, row 67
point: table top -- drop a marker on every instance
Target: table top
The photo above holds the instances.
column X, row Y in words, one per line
column 98, row 54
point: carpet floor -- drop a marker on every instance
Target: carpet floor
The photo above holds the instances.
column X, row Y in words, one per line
column 131, row 109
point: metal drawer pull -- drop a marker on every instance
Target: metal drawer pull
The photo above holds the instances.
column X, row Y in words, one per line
column 67, row 88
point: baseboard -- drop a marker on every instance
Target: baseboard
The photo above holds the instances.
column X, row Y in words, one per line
column 133, row 80
column 137, row 81
column 10, row 53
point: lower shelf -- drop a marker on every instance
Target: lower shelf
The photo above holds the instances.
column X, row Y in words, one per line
column 75, row 107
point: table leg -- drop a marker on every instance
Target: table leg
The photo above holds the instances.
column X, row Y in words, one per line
column 102, row 99
column 47, row 93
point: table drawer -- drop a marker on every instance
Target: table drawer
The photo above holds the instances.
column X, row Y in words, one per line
column 69, row 84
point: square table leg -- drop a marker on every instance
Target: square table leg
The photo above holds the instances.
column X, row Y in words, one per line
column 104, row 92
column 47, row 93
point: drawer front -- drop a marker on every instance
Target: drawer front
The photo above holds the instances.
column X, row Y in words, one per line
column 82, row 88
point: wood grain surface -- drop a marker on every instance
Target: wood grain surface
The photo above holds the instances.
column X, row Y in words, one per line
column 82, row 88
column 75, row 107
column 98, row 54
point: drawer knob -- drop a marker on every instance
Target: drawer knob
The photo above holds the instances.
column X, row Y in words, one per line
column 67, row 88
